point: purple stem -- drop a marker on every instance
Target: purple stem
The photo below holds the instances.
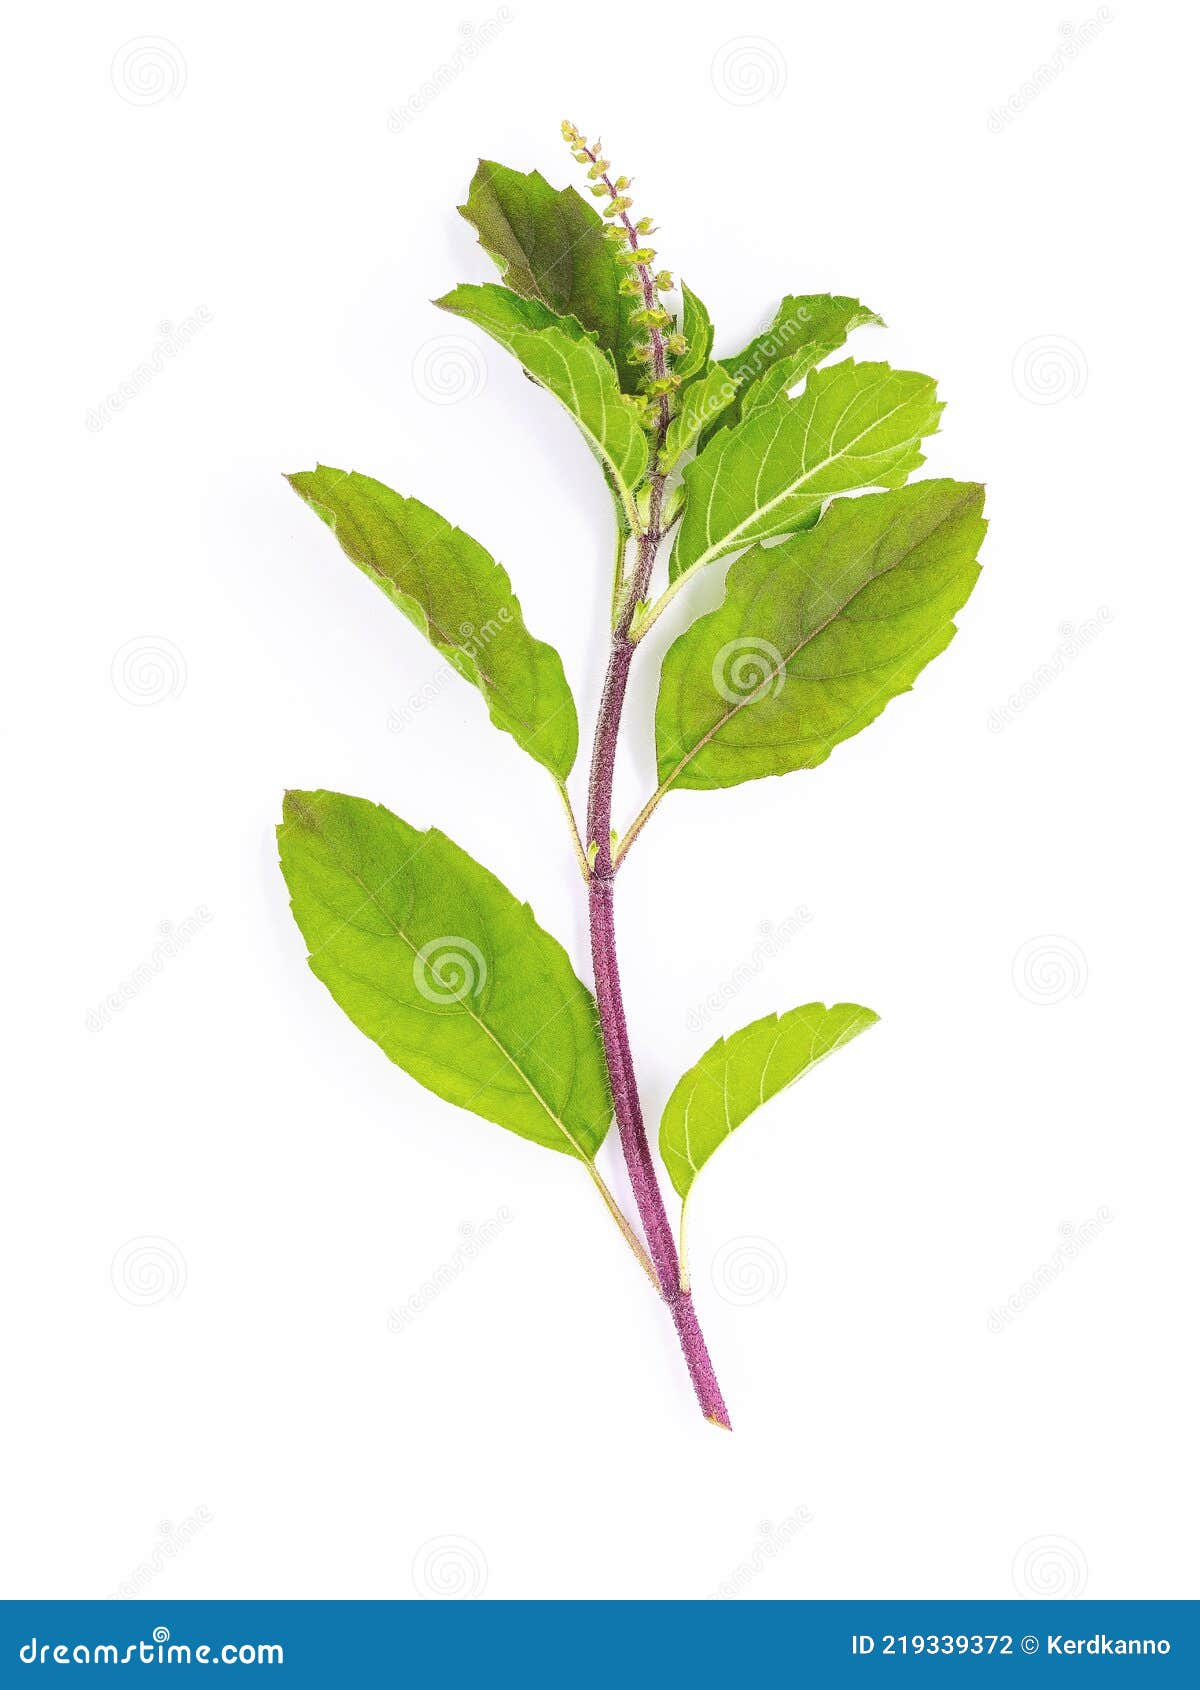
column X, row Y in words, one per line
column 659, row 1236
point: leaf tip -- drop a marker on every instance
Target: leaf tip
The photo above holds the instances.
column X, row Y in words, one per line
column 296, row 810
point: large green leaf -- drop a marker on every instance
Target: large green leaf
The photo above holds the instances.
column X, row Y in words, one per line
column 433, row 958
column 503, row 314
column 581, row 376
column 854, row 425
column 740, row 1073
column 549, row 245
column 805, row 329
column 816, row 635
column 461, row 600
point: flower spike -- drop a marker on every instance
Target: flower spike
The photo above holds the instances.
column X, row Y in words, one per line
column 640, row 281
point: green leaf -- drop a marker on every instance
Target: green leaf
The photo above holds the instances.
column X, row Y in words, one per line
column 805, row 329
column 459, row 598
column 741, row 1073
column 698, row 332
column 500, row 312
column 816, row 635
column 699, row 404
column 437, row 962
column 779, row 380
column 549, row 245
column 580, row 375
column 855, row 425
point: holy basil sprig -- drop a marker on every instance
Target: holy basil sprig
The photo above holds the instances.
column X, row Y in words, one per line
column 833, row 605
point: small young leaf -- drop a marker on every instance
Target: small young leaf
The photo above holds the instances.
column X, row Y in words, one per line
column 805, row 329
column 816, row 635
column 461, row 600
column 580, row 375
column 740, row 1073
column 700, row 404
column 437, row 962
column 854, row 425
column 549, row 245
column 500, row 312
column 698, row 332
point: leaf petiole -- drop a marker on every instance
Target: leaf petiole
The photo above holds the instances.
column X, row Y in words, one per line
column 645, row 621
column 639, row 822
column 628, row 1234
column 576, row 841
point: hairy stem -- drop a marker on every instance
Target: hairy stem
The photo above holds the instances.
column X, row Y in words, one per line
column 628, row 598
column 618, row 1055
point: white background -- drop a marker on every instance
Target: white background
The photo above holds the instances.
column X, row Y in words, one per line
column 1010, row 888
